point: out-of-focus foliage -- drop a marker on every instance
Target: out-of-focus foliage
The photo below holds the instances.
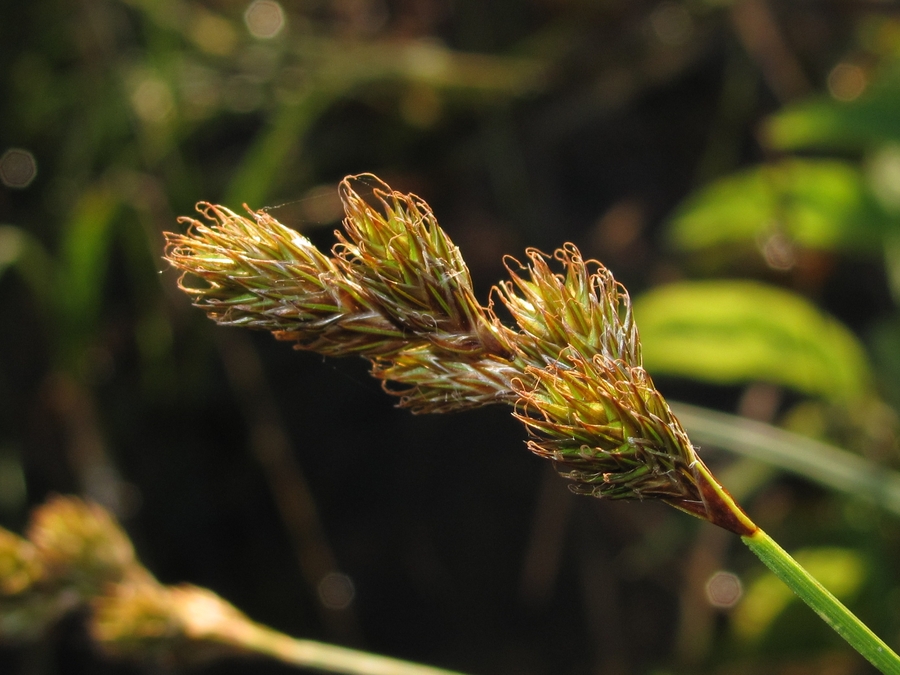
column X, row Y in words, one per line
column 739, row 331
column 841, row 571
column 866, row 121
column 77, row 559
column 758, row 137
column 818, row 204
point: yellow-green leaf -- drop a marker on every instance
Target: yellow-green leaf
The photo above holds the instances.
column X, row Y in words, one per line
column 732, row 332
column 868, row 121
column 821, row 204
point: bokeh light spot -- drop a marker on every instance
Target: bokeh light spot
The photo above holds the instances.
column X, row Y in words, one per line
column 336, row 590
column 779, row 252
column 213, row 34
column 152, row 100
column 846, row 82
column 17, row 168
column 264, row 19
column 724, row 589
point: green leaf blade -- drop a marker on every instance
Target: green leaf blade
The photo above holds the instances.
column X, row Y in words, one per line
column 732, row 332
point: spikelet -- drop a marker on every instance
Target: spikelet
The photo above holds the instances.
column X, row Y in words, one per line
column 583, row 309
column 260, row 274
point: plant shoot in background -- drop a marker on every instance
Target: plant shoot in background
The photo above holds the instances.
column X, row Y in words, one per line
column 76, row 557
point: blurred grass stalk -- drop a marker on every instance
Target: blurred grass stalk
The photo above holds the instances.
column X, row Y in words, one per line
column 259, row 639
column 76, row 556
column 831, row 467
column 396, row 291
column 206, row 622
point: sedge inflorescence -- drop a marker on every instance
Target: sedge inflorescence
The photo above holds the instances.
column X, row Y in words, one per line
column 395, row 290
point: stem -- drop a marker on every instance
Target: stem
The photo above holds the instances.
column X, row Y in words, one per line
column 823, row 603
column 721, row 509
column 252, row 637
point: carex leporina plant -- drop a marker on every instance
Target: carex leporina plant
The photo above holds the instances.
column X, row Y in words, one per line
column 395, row 290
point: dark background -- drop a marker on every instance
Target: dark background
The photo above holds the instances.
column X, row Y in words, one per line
column 238, row 464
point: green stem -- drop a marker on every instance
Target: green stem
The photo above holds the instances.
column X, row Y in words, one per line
column 832, row 611
column 255, row 638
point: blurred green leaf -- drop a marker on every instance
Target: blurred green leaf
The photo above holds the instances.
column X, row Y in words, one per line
column 84, row 259
column 20, row 250
column 732, row 332
column 821, row 204
column 829, row 466
column 868, row 121
column 842, row 571
column 264, row 163
column 883, row 340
